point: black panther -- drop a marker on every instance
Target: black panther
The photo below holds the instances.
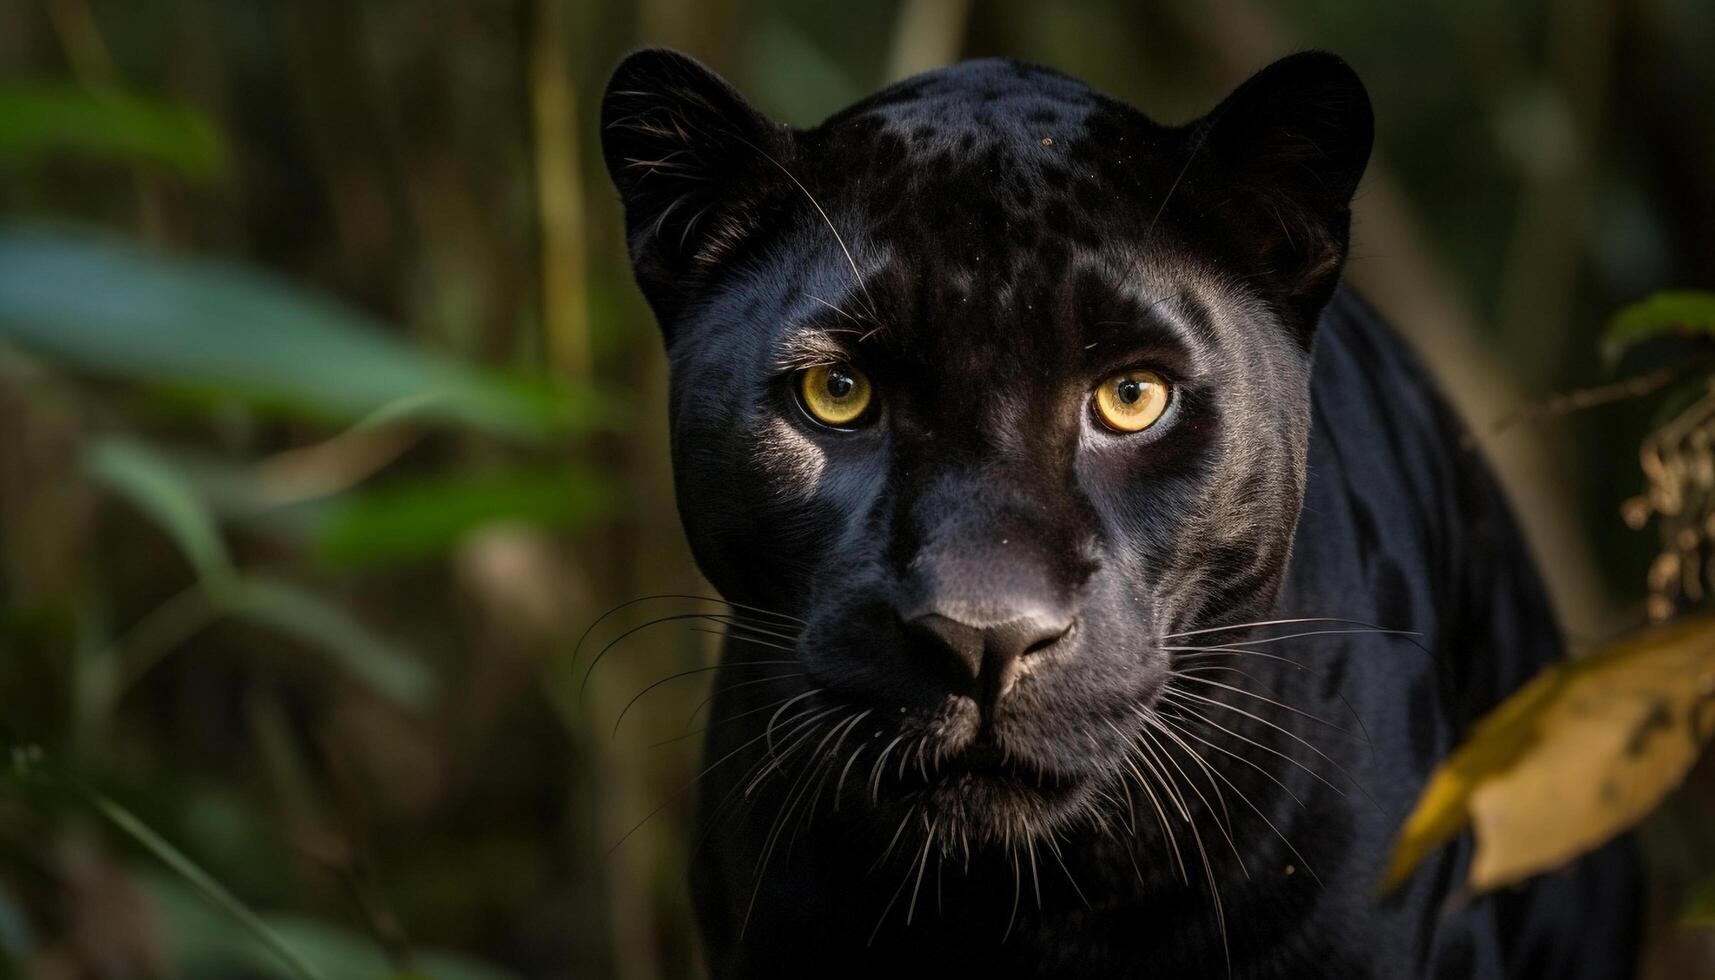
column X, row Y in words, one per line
column 1105, row 577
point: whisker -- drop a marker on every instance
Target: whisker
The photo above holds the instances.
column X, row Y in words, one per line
column 1237, row 757
column 1035, row 881
column 735, row 623
column 875, row 773
column 1267, row 700
column 733, row 794
column 1372, row 631
column 857, row 276
column 1205, row 719
column 1343, row 771
column 583, row 687
column 687, row 673
column 1224, row 821
column 836, row 309
column 794, row 795
column 833, row 755
column 1017, row 893
column 1154, row 800
column 689, row 597
column 821, row 762
column 846, row 771
column 681, row 790
column 922, row 865
column 726, row 721
column 1234, row 627
column 1204, row 652
column 770, row 644
column 768, row 729
column 775, row 762
column 891, row 843
column 1168, row 731
column 1209, row 875
column 1054, row 849
column 1171, row 788
column 902, row 883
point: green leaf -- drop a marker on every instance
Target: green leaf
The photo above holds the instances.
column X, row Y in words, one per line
column 202, row 948
column 1685, row 312
column 26, row 768
column 414, row 521
column 152, row 484
column 363, row 654
column 44, row 118
column 114, row 309
column 203, row 882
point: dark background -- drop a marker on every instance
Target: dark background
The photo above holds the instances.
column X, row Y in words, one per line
column 330, row 654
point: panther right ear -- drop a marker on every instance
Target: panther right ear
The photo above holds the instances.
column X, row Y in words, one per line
column 691, row 160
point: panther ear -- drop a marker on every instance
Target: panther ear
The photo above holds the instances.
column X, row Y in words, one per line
column 1288, row 147
column 689, row 156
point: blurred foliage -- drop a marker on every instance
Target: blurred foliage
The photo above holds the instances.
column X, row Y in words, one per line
column 1674, row 313
column 234, row 332
column 1584, row 751
column 330, row 419
column 43, row 118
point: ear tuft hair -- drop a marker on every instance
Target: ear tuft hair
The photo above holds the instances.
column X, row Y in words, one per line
column 687, row 153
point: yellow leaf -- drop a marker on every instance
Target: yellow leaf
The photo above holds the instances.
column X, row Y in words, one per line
column 1582, row 752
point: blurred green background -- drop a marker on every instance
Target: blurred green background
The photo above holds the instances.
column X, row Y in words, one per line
column 330, row 420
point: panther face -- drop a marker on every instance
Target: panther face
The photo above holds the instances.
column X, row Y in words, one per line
column 987, row 387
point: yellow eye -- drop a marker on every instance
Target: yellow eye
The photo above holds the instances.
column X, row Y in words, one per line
column 1131, row 401
column 834, row 394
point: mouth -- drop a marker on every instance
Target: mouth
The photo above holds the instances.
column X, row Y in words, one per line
column 987, row 792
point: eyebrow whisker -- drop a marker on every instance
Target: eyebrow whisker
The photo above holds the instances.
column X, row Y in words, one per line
column 836, row 309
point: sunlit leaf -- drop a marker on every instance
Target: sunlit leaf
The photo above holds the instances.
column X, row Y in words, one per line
column 422, row 519
column 45, row 118
column 1582, row 752
column 364, row 655
column 114, row 309
column 1683, row 312
column 155, row 486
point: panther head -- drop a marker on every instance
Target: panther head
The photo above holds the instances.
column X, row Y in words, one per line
column 989, row 386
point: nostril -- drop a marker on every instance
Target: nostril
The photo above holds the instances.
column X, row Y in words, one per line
column 1047, row 637
column 1000, row 647
column 1019, row 638
column 964, row 643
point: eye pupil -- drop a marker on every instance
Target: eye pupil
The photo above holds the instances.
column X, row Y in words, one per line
column 834, row 395
column 1131, row 401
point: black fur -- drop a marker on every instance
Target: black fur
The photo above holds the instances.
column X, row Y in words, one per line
column 995, row 754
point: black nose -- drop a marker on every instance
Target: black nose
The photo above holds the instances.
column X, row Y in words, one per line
column 991, row 649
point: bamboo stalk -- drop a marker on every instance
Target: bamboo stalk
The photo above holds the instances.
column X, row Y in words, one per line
column 928, row 34
column 559, row 196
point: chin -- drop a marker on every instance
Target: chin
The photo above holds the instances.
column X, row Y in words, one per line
column 982, row 796
column 973, row 780
column 1006, row 810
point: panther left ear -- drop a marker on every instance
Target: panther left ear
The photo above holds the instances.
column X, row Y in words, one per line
column 690, row 159
column 1287, row 149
